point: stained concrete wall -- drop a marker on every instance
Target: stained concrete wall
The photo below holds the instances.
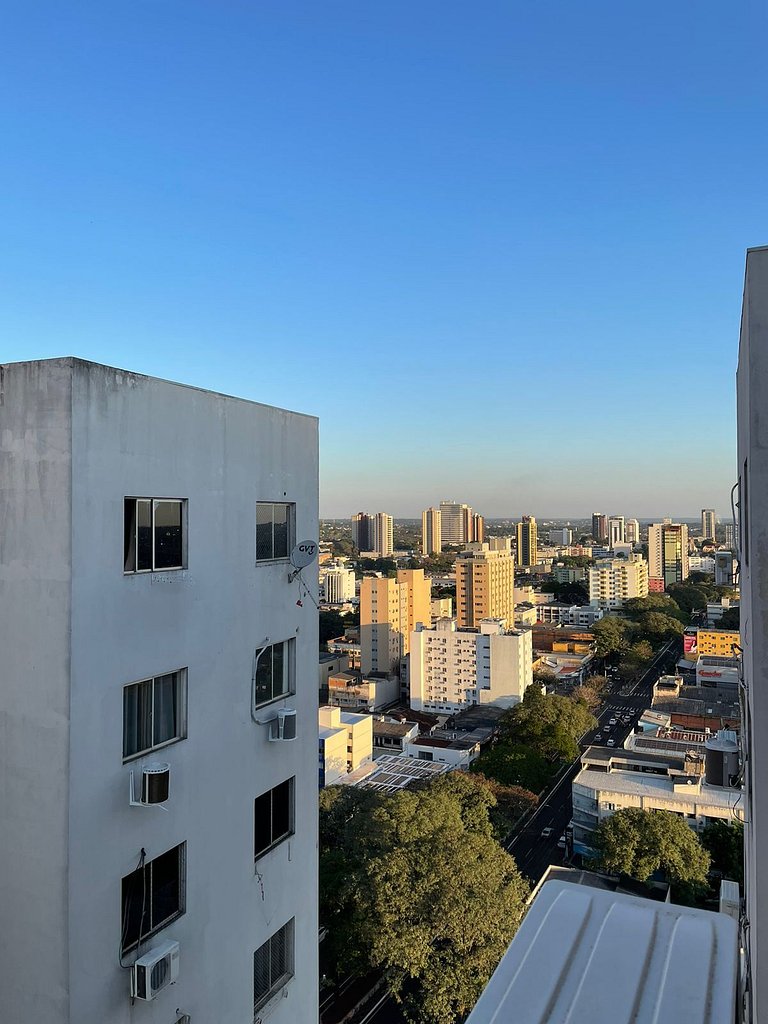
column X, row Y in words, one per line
column 137, row 435
column 35, row 576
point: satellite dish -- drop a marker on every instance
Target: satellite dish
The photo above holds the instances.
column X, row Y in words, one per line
column 303, row 554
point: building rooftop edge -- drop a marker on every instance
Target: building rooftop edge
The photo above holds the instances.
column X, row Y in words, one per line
column 74, row 361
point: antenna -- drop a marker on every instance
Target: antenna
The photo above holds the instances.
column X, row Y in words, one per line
column 303, row 554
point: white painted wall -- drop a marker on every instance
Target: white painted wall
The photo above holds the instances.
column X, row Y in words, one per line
column 137, row 435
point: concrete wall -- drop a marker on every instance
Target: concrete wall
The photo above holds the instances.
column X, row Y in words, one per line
column 137, row 435
column 752, row 470
column 35, row 466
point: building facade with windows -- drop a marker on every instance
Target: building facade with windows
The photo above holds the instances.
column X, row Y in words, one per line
column 431, row 531
column 599, row 526
column 667, row 553
column 150, row 639
column 456, row 523
column 527, row 542
column 389, row 611
column 615, row 580
column 485, row 584
column 346, row 743
column 708, row 523
column 453, row 669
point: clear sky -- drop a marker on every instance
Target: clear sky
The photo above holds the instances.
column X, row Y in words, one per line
column 497, row 247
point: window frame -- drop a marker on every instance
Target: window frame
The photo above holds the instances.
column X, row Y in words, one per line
column 181, row 715
column 181, row 851
column 288, row 930
column 289, row 672
column 275, row 841
column 154, row 502
column 291, row 532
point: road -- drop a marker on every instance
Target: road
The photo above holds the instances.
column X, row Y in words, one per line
column 533, row 850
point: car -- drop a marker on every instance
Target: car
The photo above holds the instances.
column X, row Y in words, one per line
column 546, row 832
column 561, row 841
column 606, row 728
column 613, row 721
column 626, row 719
column 611, row 743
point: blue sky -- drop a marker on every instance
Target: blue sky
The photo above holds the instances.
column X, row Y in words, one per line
column 497, row 247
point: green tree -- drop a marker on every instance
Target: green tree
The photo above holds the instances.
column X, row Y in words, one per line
column 549, row 724
column 730, row 619
column 640, row 843
column 428, row 896
column 637, row 606
column 724, row 840
column 512, row 764
column 689, row 598
column 658, row 627
column 639, row 654
column 610, row 635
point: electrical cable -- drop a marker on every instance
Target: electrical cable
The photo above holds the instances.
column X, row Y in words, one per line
column 126, row 905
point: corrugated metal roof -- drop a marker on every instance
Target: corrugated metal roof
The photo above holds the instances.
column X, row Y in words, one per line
column 585, row 956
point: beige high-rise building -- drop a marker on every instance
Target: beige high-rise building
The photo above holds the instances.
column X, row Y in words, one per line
column 456, row 523
column 667, row 553
column 383, row 529
column 431, row 535
column 485, row 585
column 613, row 581
column 708, row 523
column 632, row 531
column 478, row 528
column 389, row 612
column 527, row 542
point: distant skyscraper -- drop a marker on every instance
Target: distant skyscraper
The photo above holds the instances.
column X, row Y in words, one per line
column 708, row 522
column 431, row 531
column 728, row 535
column 632, row 531
column 456, row 522
column 616, row 531
column 373, row 533
column 485, row 585
column 599, row 526
column 526, row 542
column 667, row 552
column 362, row 531
column 478, row 528
column 383, row 531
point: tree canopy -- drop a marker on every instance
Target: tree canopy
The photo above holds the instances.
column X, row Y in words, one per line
column 640, row 843
column 415, row 884
column 549, row 724
column 725, row 843
column 610, row 635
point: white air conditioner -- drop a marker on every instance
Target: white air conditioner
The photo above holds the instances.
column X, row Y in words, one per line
column 155, row 971
column 154, row 785
column 284, row 725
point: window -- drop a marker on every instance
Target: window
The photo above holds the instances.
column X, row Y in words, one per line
column 154, row 713
column 272, row 966
column 274, row 530
column 152, row 896
column 273, row 817
column 153, row 534
column 274, row 673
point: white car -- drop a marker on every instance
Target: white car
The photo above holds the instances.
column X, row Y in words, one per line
column 546, row 833
column 613, row 721
column 561, row 842
column 611, row 743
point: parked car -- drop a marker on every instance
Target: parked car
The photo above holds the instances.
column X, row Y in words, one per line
column 561, row 842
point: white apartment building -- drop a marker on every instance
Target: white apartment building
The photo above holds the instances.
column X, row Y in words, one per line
column 616, row 531
column 613, row 581
column 456, row 523
column 337, row 584
column 632, row 531
column 452, row 669
column 150, row 637
column 561, row 538
column 346, row 743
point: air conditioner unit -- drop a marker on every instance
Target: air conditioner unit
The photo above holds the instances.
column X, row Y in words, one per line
column 154, row 785
column 155, row 971
column 284, row 725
